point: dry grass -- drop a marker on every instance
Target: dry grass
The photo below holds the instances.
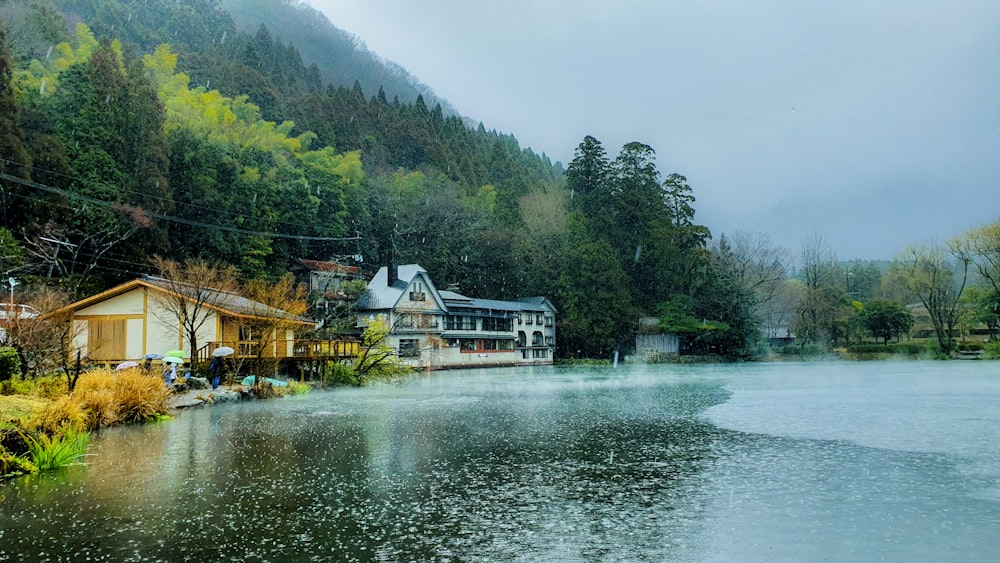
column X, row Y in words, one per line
column 124, row 396
column 102, row 407
column 59, row 415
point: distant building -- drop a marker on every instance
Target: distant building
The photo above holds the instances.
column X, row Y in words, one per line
column 442, row 329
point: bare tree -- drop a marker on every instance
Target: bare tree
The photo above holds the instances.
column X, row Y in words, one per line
column 935, row 275
column 193, row 289
column 821, row 298
column 66, row 251
column 272, row 310
column 44, row 337
column 757, row 264
column 982, row 245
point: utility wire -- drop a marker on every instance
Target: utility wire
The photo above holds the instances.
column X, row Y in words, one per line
column 138, row 194
column 165, row 217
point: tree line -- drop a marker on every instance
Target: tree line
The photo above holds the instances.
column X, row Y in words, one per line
column 160, row 128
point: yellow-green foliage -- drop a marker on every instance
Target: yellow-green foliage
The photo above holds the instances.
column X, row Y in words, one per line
column 44, row 387
column 11, row 464
column 42, row 76
column 297, row 388
column 124, row 396
column 14, row 410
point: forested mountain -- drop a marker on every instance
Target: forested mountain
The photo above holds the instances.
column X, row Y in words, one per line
column 342, row 58
column 132, row 128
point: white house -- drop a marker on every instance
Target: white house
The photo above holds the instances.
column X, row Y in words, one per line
column 134, row 319
column 435, row 329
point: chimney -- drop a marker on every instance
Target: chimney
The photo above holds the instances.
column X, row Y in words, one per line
column 393, row 274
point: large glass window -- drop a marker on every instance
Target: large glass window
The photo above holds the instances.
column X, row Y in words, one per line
column 498, row 324
column 409, row 347
column 459, row 322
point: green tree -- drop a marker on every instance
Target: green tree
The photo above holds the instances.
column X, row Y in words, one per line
column 14, row 159
column 886, row 319
column 592, row 295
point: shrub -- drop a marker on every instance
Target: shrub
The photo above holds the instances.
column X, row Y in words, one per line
column 969, row 346
column 338, row 373
column 992, row 350
column 297, row 388
column 907, row 348
column 869, row 349
column 60, row 450
column 10, row 363
column 807, row 350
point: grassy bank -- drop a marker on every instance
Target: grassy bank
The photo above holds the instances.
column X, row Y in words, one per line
column 43, row 426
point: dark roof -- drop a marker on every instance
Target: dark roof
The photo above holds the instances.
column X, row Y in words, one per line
column 331, row 267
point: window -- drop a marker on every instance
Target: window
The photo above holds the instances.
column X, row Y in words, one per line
column 528, row 318
column 409, row 347
column 489, row 344
column 519, row 320
column 536, row 338
column 468, row 345
column 498, row 324
column 459, row 322
column 550, row 340
column 542, row 353
column 522, row 339
column 538, row 320
column 548, row 320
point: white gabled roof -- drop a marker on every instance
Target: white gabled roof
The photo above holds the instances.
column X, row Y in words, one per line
column 382, row 295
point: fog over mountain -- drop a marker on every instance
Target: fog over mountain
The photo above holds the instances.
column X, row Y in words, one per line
column 872, row 124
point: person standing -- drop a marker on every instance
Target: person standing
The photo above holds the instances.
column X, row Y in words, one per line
column 169, row 373
column 216, row 368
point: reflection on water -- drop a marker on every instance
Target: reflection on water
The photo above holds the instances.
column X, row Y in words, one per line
column 640, row 463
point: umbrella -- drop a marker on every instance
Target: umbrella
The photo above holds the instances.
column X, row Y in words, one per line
column 153, row 357
column 173, row 360
column 223, row 351
column 126, row 365
column 175, row 354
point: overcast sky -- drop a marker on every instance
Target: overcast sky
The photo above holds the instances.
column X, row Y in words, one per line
column 873, row 124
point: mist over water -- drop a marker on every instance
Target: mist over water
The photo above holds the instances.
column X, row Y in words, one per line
column 841, row 461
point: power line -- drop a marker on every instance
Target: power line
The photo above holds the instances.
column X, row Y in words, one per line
column 165, row 217
column 135, row 193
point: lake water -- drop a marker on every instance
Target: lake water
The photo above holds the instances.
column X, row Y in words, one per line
column 762, row 462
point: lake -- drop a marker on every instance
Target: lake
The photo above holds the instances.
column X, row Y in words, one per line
column 758, row 462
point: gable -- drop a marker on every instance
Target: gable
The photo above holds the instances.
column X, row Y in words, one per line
column 132, row 302
column 420, row 293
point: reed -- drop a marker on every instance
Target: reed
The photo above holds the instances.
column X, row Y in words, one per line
column 55, row 451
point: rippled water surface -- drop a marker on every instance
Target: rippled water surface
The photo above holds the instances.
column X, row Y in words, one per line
column 768, row 462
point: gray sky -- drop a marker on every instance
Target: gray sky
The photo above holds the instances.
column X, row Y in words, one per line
column 873, row 124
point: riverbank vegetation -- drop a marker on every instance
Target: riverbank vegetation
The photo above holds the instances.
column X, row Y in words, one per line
column 45, row 426
column 138, row 128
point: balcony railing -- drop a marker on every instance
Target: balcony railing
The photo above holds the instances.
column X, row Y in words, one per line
column 297, row 349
